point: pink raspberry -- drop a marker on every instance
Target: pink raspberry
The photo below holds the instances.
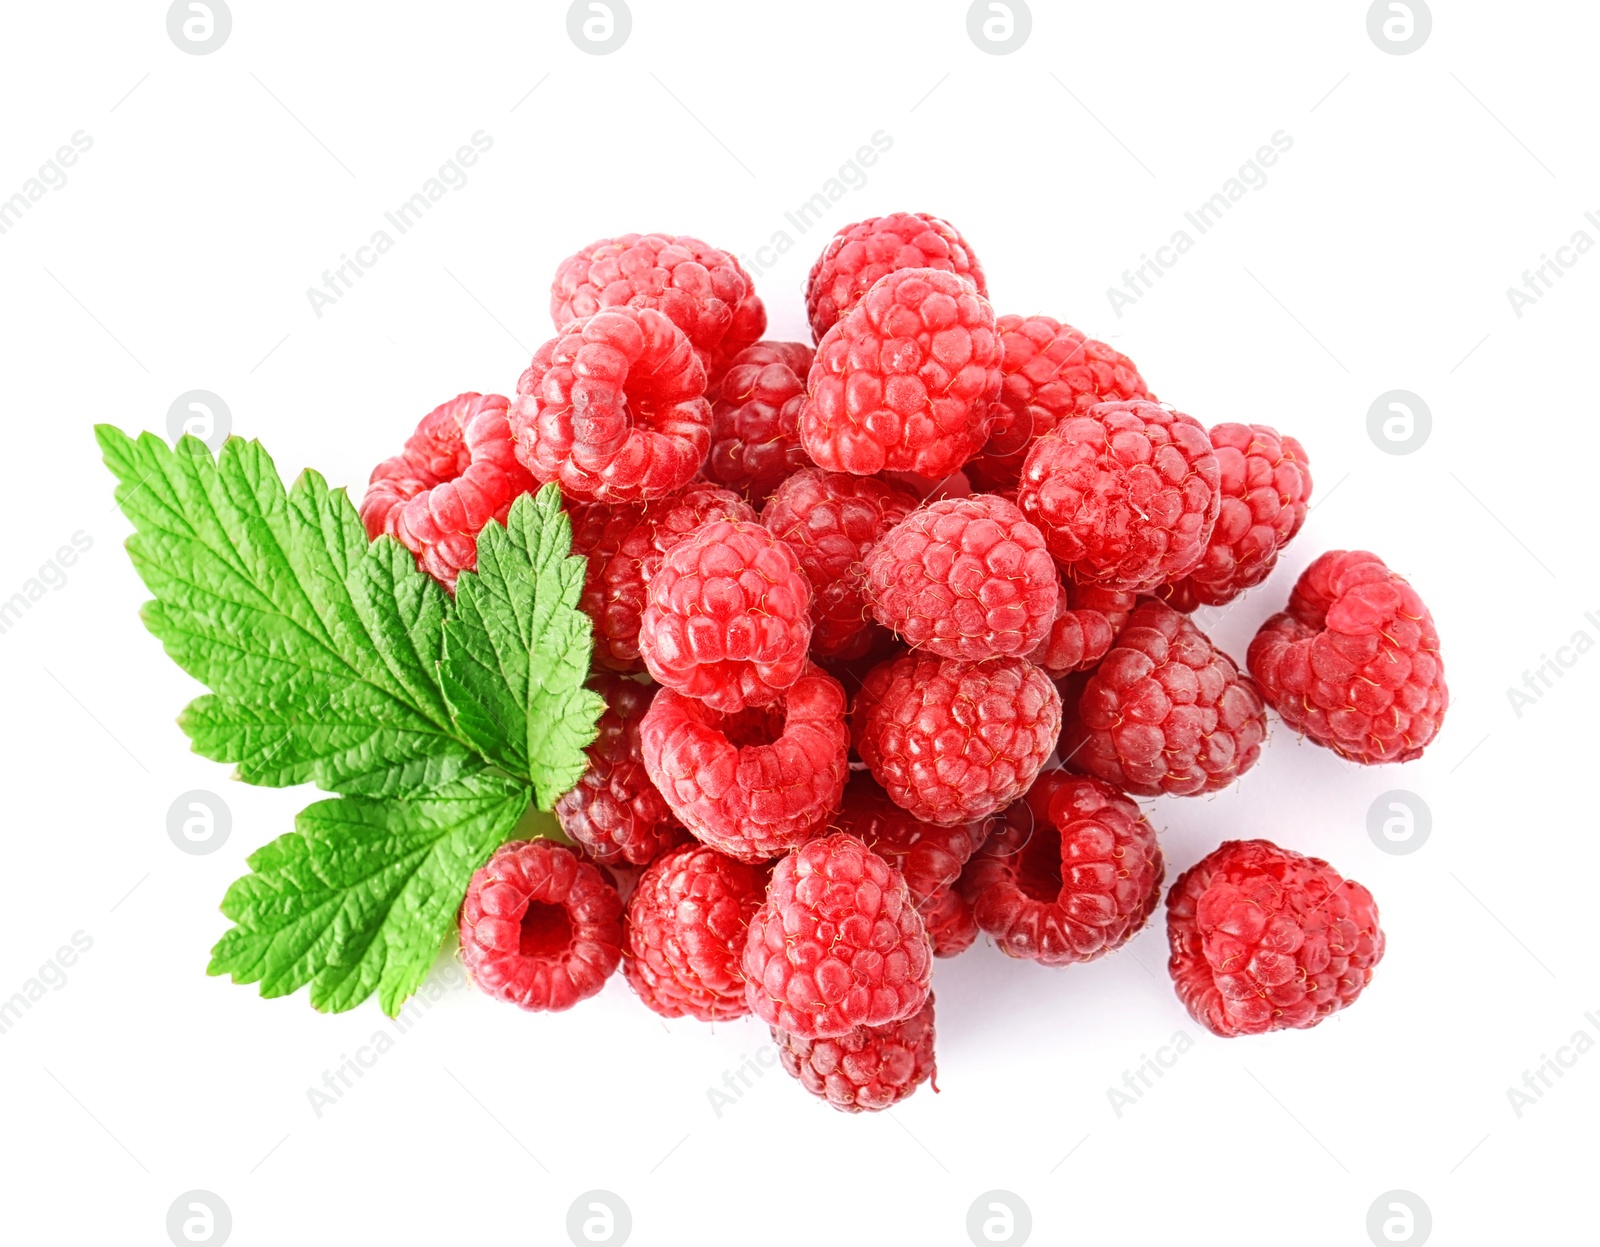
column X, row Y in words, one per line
column 757, row 782
column 459, row 470
column 624, row 545
column 614, row 408
column 964, row 578
column 1069, row 873
column 830, row 520
column 837, row 943
column 1354, row 662
column 755, row 418
column 540, row 926
column 1126, row 495
column 1165, row 712
column 858, row 255
column 685, row 933
column 1266, row 484
column 1264, row 939
column 728, row 617
column 703, row 291
column 953, row 742
column 906, row 381
column 1051, row 372
column 1087, row 620
column 615, row 812
column 869, row 1069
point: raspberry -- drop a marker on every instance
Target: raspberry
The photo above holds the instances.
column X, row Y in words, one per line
column 459, row 470
column 1087, row 620
column 929, row 857
column 1264, row 939
column 1051, row 372
column 870, row 1068
column 1126, row 495
column 1265, row 484
column 757, row 782
column 948, row 918
column 615, row 812
column 964, row 578
column 728, row 617
column 624, row 545
column 830, row 520
column 755, row 418
column 953, row 742
column 1069, row 873
column 1354, row 662
column 685, row 932
column 540, row 926
column 906, row 381
column 703, row 291
column 837, row 943
column 1165, row 711
column 858, row 255
column 614, row 408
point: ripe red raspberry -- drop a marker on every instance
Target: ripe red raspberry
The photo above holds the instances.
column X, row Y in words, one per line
column 1051, row 371
column 624, row 545
column 906, row 381
column 1087, row 620
column 1068, row 874
column 728, row 617
column 1126, row 495
column 459, row 470
column 928, row 856
column 614, row 408
column 757, row 782
column 837, row 944
column 953, row 742
column 858, row 255
column 685, row 933
column 703, row 291
column 540, row 927
column 1354, row 662
column 755, row 418
column 1165, row 711
column 830, row 520
column 964, row 578
column 1264, row 939
column 1266, row 482
column 615, row 812
column 948, row 918
column 870, row 1068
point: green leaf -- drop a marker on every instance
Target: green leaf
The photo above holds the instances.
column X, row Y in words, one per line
column 517, row 652
column 320, row 649
column 359, row 897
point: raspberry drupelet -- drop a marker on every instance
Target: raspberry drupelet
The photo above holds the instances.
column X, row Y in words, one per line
column 871, row 1068
column 755, row 419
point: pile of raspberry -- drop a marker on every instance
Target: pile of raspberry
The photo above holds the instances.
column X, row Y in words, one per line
column 894, row 630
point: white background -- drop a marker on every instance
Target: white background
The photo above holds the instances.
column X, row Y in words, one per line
column 1377, row 256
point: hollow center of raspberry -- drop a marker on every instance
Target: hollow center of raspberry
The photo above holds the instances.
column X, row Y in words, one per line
column 754, row 725
column 546, row 930
column 1039, row 870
